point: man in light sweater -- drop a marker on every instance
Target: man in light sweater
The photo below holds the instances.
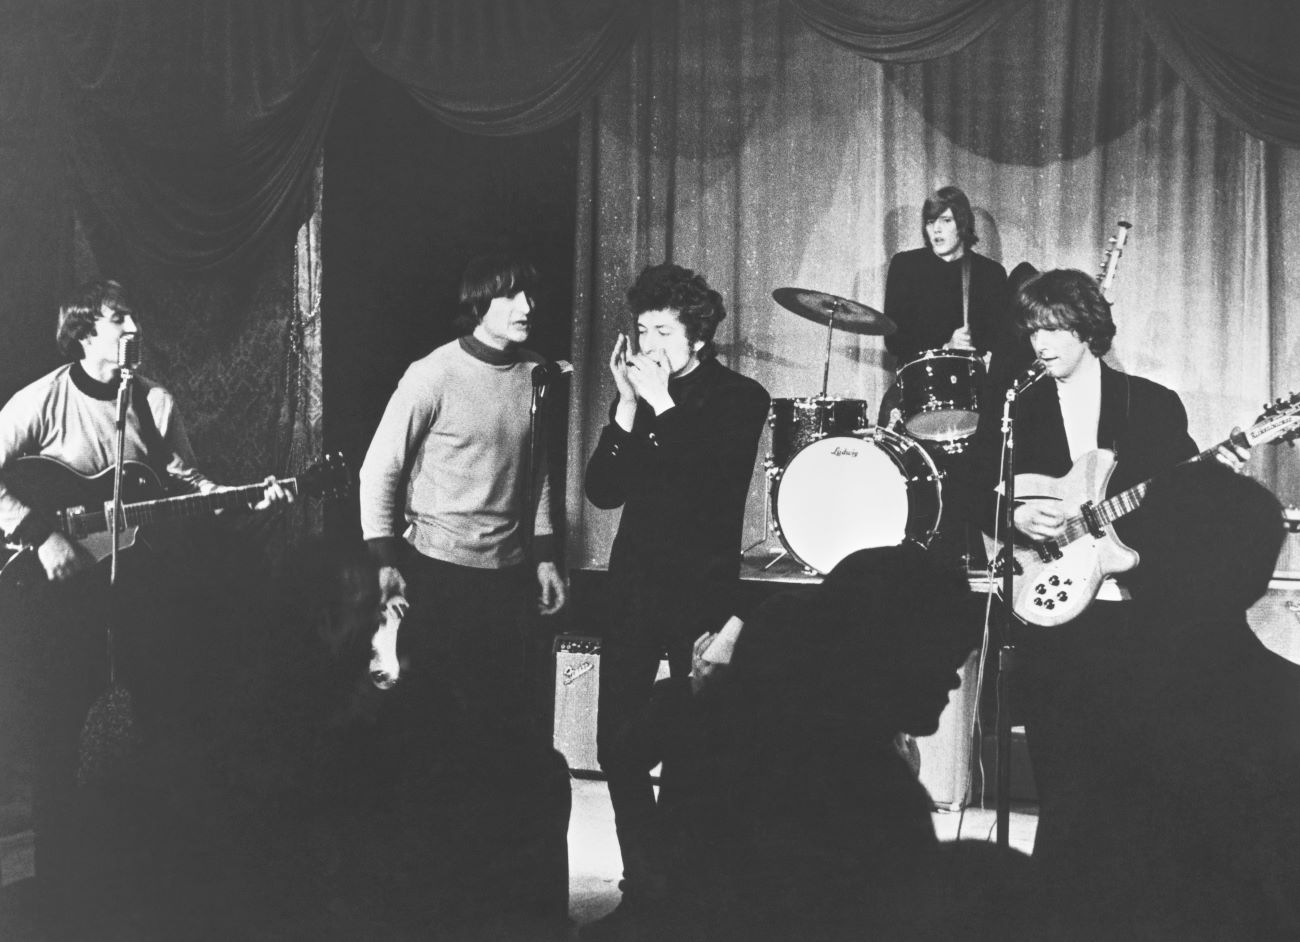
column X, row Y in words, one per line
column 86, row 874
column 456, row 510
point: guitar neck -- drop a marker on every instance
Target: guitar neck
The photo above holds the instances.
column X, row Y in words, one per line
column 1127, row 501
column 172, row 508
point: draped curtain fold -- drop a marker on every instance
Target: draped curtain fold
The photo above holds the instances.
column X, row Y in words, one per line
column 904, row 30
column 501, row 67
column 738, row 142
column 1239, row 56
column 191, row 128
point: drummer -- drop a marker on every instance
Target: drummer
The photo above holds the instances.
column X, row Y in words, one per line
column 945, row 295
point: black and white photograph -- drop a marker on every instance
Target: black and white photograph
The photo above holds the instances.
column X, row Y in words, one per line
column 638, row 470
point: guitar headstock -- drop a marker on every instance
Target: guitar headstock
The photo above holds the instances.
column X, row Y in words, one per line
column 1279, row 422
column 1110, row 259
column 329, row 478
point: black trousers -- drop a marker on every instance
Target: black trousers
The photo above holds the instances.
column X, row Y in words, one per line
column 657, row 619
column 480, row 840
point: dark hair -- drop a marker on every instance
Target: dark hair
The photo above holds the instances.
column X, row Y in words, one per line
column 670, row 287
column 77, row 314
column 492, row 276
column 945, row 198
column 1065, row 299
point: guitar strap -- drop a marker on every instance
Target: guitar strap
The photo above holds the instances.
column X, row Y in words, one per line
column 155, row 450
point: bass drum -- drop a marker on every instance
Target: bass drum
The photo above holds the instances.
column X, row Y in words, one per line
column 847, row 493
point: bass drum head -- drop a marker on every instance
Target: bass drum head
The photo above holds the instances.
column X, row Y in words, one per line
column 847, row 493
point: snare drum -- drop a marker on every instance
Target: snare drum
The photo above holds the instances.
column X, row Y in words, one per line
column 799, row 422
column 941, row 394
column 852, row 492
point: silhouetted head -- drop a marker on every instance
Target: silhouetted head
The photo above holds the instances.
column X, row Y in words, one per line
column 1214, row 539
column 872, row 651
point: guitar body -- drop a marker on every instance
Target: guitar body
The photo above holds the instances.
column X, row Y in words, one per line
column 79, row 503
column 1057, row 579
column 49, row 485
column 1054, row 584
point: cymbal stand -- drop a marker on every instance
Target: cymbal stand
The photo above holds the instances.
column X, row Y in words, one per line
column 830, row 333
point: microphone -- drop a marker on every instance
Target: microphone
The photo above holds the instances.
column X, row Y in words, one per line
column 545, row 372
column 1032, row 375
column 128, row 352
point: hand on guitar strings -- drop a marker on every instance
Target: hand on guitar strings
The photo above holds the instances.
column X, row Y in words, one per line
column 1231, row 453
column 62, row 558
column 1040, row 521
column 273, row 493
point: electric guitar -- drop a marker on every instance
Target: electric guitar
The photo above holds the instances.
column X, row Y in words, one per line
column 82, row 504
column 1056, row 580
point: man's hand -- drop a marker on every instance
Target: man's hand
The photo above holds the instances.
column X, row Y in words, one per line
column 1233, row 455
column 625, row 410
column 274, row 493
column 701, row 670
column 392, row 591
column 648, row 373
column 960, row 339
column 553, row 591
column 1039, row 521
column 61, row 558
column 618, row 360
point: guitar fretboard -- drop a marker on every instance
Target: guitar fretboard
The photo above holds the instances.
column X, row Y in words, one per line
column 84, row 523
column 1106, row 512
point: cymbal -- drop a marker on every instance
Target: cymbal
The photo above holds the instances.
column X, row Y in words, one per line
column 823, row 308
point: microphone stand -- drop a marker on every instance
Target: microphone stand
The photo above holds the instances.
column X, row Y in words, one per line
column 1005, row 526
column 530, row 460
column 126, row 381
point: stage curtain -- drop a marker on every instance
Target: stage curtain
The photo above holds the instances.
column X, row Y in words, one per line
column 738, row 141
column 1239, row 55
column 497, row 66
column 1236, row 54
column 904, row 30
column 192, row 127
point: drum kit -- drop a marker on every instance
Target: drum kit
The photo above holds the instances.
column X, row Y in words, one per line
column 837, row 483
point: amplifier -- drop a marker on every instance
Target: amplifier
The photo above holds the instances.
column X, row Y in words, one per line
column 577, row 688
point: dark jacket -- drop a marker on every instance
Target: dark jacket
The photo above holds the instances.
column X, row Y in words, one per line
column 923, row 297
column 1143, row 422
column 682, row 478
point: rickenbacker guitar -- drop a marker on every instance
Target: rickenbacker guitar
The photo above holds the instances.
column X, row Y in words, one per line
column 1056, row 580
column 81, row 504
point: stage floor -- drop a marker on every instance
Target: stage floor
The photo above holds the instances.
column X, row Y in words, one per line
column 595, row 867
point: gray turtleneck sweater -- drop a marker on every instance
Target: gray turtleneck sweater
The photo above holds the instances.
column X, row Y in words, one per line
column 446, row 467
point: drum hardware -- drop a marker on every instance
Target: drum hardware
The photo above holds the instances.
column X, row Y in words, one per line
column 833, row 311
